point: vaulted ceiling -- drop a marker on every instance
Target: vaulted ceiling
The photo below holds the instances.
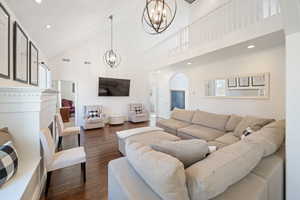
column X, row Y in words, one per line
column 74, row 21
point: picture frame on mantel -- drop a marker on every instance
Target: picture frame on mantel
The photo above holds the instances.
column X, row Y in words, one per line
column 20, row 52
column 33, row 65
column 4, row 43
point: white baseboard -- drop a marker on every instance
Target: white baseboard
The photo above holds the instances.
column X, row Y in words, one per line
column 39, row 188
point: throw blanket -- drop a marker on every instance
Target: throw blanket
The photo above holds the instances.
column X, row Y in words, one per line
column 135, row 131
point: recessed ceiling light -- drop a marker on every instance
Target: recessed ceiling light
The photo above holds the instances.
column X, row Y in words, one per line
column 251, row 46
column 38, row 1
column 189, row 63
column 48, row 26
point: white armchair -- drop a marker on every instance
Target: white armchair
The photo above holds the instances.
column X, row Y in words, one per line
column 93, row 117
column 137, row 113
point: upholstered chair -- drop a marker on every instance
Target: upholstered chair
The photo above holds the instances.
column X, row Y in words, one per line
column 62, row 159
column 137, row 113
column 65, row 131
column 93, row 117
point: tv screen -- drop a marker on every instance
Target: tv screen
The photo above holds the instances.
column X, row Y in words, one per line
column 113, row 87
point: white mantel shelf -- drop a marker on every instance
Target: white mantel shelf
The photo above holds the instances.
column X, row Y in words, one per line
column 25, row 111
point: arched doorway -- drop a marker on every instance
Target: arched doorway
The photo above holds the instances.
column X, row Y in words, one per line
column 179, row 85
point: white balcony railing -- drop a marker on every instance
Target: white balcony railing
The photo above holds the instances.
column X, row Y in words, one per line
column 235, row 15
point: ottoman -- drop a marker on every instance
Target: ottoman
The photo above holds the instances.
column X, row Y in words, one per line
column 145, row 135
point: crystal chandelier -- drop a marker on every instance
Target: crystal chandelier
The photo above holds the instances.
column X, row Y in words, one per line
column 158, row 15
column 111, row 58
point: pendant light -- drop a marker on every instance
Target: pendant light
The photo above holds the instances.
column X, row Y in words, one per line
column 158, row 15
column 111, row 58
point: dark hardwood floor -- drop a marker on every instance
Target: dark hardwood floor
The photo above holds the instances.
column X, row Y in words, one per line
column 101, row 147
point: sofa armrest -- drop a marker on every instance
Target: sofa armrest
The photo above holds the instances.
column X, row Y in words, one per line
column 212, row 176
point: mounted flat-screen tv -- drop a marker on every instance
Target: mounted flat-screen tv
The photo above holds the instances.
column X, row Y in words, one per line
column 113, row 87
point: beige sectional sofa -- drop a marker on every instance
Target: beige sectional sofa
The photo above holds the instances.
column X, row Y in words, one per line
column 195, row 124
column 248, row 169
column 220, row 130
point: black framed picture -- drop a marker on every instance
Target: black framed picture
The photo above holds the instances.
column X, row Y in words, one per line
column 33, row 65
column 259, row 80
column 73, row 87
column 232, row 83
column 20, row 54
column 244, row 81
column 4, row 43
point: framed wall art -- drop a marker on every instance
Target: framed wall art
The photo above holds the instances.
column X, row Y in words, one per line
column 244, row 81
column 20, row 51
column 259, row 80
column 33, row 65
column 4, row 43
column 232, row 83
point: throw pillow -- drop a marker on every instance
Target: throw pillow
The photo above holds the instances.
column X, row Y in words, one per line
column 4, row 136
column 252, row 122
column 164, row 174
column 232, row 123
column 186, row 151
column 93, row 113
column 138, row 110
column 270, row 137
column 8, row 162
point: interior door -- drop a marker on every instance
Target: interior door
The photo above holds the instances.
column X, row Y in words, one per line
column 177, row 99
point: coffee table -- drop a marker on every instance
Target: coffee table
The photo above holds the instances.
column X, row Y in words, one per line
column 145, row 135
column 116, row 119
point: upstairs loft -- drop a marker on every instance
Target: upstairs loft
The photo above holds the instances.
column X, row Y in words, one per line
column 234, row 22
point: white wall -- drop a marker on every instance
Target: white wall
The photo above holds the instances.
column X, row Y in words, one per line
column 10, row 82
column 293, row 111
column 86, row 77
column 66, row 89
column 131, row 42
column 224, row 64
column 291, row 11
column 179, row 82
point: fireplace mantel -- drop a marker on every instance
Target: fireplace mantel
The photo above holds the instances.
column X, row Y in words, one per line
column 25, row 111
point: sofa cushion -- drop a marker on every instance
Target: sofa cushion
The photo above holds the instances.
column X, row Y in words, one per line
column 187, row 151
column 4, row 136
column 125, row 184
column 254, row 123
column 221, row 169
column 210, row 120
column 164, row 174
column 182, row 115
column 228, row 138
column 201, row 132
column 252, row 187
column 217, row 144
column 172, row 123
column 232, row 123
column 152, row 137
column 271, row 137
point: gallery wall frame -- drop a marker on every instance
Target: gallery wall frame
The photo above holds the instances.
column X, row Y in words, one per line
column 33, row 65
column 20, row 54
column 232, row 82
column 4, row 43
column 244, row 81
